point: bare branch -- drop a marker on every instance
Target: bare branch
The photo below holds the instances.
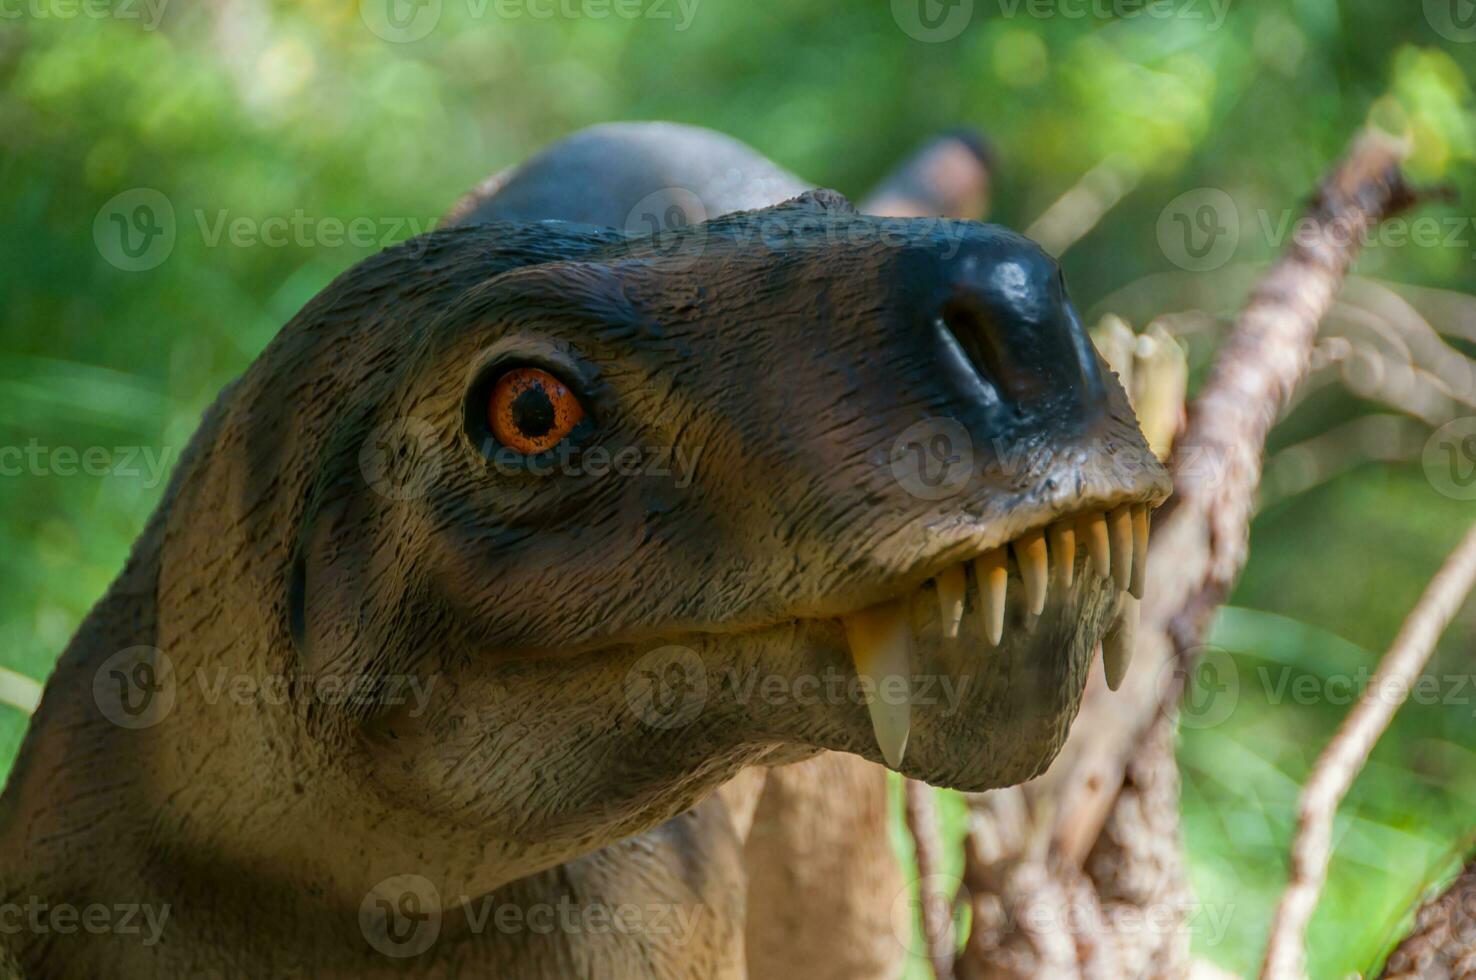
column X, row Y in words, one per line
column 1453, row 313
column 1363, row 370
column 937, row 903
column 1346, row 754
column 1262, row 362
column 19, row 691
column 1325, row 457
column 1077, row 212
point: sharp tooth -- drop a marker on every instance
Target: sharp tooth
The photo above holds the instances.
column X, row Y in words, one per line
column 881, row 641
column 1035, row 569
column 1063, row 553
column 1117, row 645
column 992, row 575
column 1120, row 531
column 952, row 583
column 1092, row 529
column 1140, row 550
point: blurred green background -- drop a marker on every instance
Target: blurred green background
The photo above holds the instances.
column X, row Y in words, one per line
column 246, row 109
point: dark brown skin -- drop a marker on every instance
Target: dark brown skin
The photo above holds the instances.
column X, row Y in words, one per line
column 781, row 352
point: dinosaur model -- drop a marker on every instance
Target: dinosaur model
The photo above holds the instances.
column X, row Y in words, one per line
column 546, row 571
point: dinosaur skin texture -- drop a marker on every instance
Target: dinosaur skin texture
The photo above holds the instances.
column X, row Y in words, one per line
column 781, row 352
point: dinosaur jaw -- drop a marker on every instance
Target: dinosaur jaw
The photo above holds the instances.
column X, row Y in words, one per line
column 965, row 672
column 995, row 604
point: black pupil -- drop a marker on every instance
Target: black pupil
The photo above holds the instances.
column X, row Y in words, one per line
column 533, row 412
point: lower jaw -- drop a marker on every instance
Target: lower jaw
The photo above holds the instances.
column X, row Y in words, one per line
column 1033, row 606
column 979, row 715
column 1012, row 716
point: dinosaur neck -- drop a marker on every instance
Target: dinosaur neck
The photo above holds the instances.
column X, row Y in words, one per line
column 228, row 808
column 215, row 818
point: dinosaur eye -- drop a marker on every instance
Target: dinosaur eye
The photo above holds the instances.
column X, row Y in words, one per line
column 531, row 411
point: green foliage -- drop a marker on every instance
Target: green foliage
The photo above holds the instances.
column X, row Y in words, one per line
column 254, row 110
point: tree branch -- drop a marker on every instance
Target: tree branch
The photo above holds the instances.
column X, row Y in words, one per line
column 1345, row 755
column 936, row 903
column 1439, row 945
column 1074, row 214
column 1263, row 360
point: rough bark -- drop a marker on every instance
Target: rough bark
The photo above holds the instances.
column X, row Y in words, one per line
column 1442, row 944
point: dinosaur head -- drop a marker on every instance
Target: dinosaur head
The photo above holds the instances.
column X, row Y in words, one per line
column 650, row 510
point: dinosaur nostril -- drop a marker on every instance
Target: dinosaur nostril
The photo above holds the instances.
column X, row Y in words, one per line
column 981, row 335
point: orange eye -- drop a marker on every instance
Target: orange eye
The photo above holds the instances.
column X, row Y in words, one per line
column 532, row 411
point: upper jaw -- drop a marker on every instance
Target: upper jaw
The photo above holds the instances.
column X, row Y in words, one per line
column 906, row 546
